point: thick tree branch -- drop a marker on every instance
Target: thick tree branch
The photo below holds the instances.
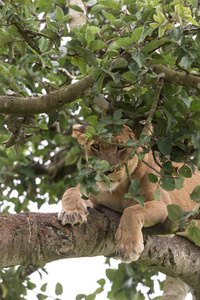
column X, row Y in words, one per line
column 33, row 238
column 177, row 78
column 46, row 103
column 171, row 76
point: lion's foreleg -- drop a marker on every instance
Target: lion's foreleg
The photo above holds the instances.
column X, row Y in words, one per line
column 129, row 234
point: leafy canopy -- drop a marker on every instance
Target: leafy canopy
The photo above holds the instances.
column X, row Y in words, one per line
column 121, row 45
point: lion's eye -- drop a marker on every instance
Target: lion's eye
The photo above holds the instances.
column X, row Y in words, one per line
column 95, row 147
column 121, row 148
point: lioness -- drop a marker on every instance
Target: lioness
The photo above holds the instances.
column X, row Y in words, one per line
column 129, row 235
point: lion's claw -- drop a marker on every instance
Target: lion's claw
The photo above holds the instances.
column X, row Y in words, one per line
column 127, row 252
column 72, row 217
column 125, row 255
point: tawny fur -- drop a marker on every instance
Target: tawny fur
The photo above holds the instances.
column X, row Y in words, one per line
column 134, row 217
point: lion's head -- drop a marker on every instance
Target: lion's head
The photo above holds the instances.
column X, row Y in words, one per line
column 112, row 153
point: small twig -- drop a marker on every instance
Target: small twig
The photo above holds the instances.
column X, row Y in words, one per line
column 155, row 159
column 66, row 73
column 164, row 12
column 27, row 38
column 159, row 173
column 127, row 172
column 160, row 83
column 73, row 116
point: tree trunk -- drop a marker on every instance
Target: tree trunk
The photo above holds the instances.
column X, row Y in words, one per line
column 35, row 238
column 78, row 18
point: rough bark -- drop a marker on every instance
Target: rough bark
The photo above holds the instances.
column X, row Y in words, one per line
column 33, row 238
column 178, row 78
column 46, row 103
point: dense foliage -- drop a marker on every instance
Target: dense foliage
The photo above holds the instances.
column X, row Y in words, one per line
column 122, row 44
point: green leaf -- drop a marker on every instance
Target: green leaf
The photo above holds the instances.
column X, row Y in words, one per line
column 121, row 43
column 80, row 296
column 179, row 182
column 111, row 4
column 185, row 171
column 3, row 153
column 186, row 62
column 43, row 126
column 139, row 199
column 50, row 25
column 90, row 132
column 176, row 33
column 94, row 29
column 43, row 44
column 175, row 212
column 194, row 234
column 59, row 13
column 103, row 177
column 53, row 117
column 161, row 30
column 97, row 45
column 157, row 194
column 195, row 105
column 66, row 18
column 114, row 75
column 137, row 33
column 101, row 165
column 62, row 123
column 192, row 20
column 144, row 139
column 59, row 289
column 98, row 85
column 117, row 115
column 156, row 44
column 80, row 62
column 131, row 143
column 140, row 57
column 160, row 17
column 109, row 17
column 195, row 195
column 31, row 285
column 91, row 58
column 168, row 184
column 75, row 7
column 93, row 120
column 120, row 63
column 152, row 178
column 135, row 187
column 44, row 287
column 165, row 145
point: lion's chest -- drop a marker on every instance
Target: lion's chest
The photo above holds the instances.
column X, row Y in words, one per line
column 113, row 199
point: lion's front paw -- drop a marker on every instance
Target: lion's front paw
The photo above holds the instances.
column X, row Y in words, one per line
column 128, row 252
column 129, row 245
column 72, row 217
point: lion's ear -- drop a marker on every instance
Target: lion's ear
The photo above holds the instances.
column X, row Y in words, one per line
column 129, row 131
column 79, row 133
